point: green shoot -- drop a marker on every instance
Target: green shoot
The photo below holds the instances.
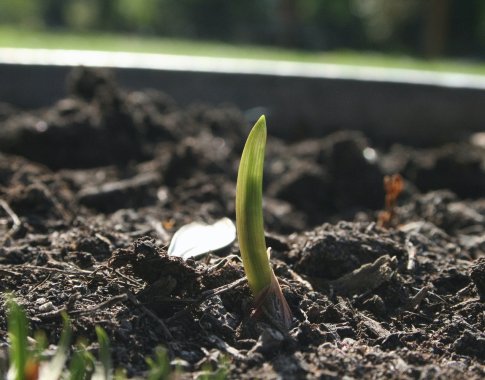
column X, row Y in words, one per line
column 27, row 363
column 82, row 363
column 53, row 368
column 17, row 334
column 250, row 229
column 104, row 372
column 220, row 372
column 159, row 366
column 249, row 210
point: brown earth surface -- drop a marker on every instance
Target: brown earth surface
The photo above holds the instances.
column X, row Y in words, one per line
column 93, row 188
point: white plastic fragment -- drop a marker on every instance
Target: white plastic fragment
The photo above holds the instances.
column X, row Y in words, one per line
column 197, row 239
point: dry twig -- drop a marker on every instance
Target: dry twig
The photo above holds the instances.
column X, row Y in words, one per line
column 418, row 298
column 103, row 305
column 15, row 220
column 151, row 314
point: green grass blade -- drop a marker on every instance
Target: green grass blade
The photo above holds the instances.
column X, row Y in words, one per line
column 159, row 366
column 78, row 365
column 81, row 364
column 221, row 372
column 106, row 370
column 53, row 369
column 17, row 333
column 249, row 209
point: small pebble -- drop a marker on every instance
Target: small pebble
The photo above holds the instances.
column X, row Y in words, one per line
column 46, row 307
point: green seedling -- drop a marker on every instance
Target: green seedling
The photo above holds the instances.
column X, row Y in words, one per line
column 105, row 370
column 54, row 367
column 20, row 363
column 250, row 229
column 28, row 363
column 82, row 362
column 220, row 372
column 159, row 365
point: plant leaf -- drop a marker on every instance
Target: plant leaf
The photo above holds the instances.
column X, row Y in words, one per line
column 250, row 230
column 17, row 333
column 105, row 371
column 159, row 366
column 249, row 209
column 53, row 368
column 81, row 363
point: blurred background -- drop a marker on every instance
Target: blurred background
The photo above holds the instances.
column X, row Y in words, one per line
column 429, row 34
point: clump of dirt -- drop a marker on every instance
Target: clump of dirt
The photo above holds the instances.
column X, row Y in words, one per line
column 94, row 187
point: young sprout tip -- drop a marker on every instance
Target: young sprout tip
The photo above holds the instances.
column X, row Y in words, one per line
column 250, row 229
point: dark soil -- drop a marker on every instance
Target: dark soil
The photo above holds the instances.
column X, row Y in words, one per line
column 101, row 180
